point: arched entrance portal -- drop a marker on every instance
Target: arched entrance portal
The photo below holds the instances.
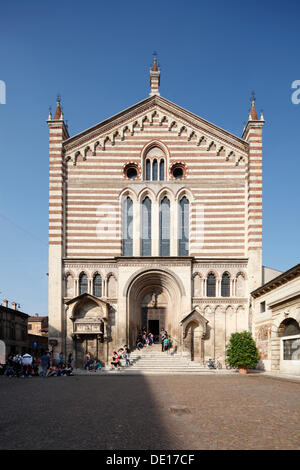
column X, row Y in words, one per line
column 154, row 301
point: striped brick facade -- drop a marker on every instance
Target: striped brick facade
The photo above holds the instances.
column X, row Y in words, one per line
column 222, row 180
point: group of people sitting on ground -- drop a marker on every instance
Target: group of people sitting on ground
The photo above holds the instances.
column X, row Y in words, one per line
column 28, row 366
column 144, row 338
column 147, row 339
column 122, row 353
column 92, row 364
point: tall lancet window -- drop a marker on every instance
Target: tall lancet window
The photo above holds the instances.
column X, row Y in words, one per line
column 83, row 283
column 225, row 285
column 148, row 170
column 164, row 229
column 154, row 170
column 146, row 227
column 162, row 170
column 211, row 285
column 127, row 228
column 183, row 227
column 97, row 286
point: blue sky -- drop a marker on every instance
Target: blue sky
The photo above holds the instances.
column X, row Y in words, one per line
column 97, row 55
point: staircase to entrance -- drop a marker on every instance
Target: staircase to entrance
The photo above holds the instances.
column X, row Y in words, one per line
column 151, row 360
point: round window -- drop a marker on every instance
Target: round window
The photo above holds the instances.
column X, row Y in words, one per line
column 131, row 172
column 177, row 172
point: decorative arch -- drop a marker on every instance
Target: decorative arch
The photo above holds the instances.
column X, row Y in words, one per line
column 111, row 283
column 197, row 284
column 240, row 287
column 151, row 281
column 83, row 284
column 165, row 192
column 288, row 327
column 143, row 271
column 97, row 284
column 146, row 192
column 225, row 284
column 69, row 281
column 207, row 310
column 184, row 192
column 128, row 192
column 212, row 270
column 211, row 284
column 155, row 151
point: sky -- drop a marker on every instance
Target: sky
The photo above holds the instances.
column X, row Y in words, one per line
column 97, row 55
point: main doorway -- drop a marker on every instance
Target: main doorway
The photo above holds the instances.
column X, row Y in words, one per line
column 153, row 303
column 153, row 319
column 153, row 327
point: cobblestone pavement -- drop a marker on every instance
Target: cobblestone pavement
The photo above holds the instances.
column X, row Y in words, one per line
column 153, row 412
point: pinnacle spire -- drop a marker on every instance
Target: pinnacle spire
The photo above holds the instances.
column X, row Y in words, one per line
column 154, row 77
column 253, row 114
column 58, row 116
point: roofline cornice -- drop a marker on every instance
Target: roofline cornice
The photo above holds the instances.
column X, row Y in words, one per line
column 277, row 281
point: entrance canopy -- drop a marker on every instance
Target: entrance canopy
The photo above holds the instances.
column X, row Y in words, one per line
column 89, row 315
column 194, row 317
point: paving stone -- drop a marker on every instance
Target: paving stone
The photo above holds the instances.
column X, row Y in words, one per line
column 133, row 412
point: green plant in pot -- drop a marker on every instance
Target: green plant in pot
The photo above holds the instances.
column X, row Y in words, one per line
column 242, row 352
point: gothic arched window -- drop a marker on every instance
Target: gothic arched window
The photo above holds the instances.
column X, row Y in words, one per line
column 148, row 170
column 164, row 229
column 146, row 227
column 211, row 285
column 225, row 285
column 127, row 229
column 154, row 170
column 83, row 284
column 183, row 227
column 97, row 286
column 162, row 170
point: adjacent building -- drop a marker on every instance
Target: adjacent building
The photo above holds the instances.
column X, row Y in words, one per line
column 16, row 333
column 155, row 220
column 38, row 325
column 13, row 328
column 276, row 320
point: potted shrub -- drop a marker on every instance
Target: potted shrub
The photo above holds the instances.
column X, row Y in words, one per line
column 242, row 352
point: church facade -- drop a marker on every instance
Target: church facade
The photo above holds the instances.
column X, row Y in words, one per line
column 155, row 220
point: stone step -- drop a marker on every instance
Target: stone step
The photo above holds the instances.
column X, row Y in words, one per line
column 152, row 360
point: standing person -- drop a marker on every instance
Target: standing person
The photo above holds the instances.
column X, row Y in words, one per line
column 166, row 343
column 45, row 363
column 10, row 366
column 35, row 366
column 70, row 361
column 162, row 337
column 27, row 364
column 17, row 365
column 126, row 355
column 144, row 338
column 50, row 355
column 60, row 359
column 87, row 359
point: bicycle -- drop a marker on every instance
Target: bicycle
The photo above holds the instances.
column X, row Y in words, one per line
column 214, row 364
